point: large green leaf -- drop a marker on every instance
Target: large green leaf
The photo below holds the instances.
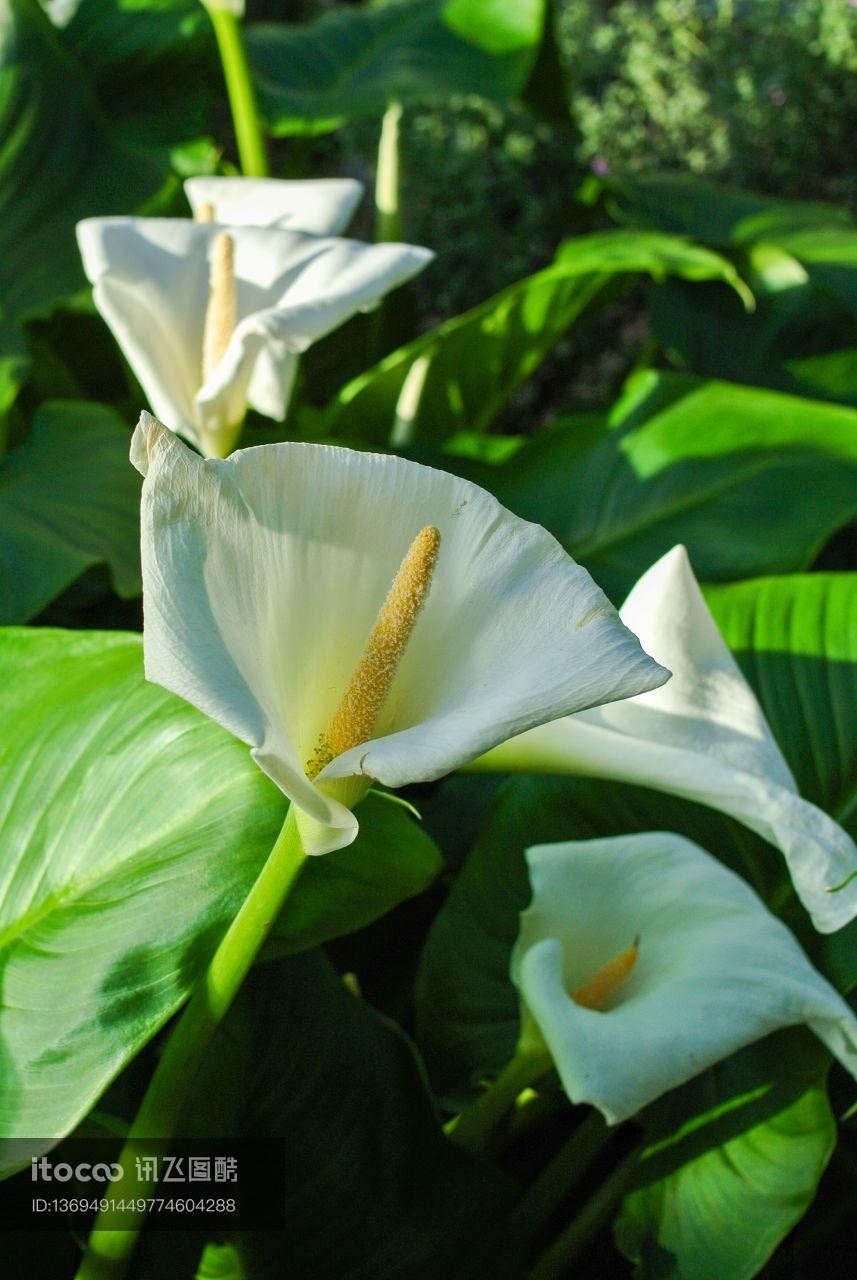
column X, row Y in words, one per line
column 711, row 212
column 152, row 63
column 58, row 163
column 463, row 372
column 352, row 61
column 69, row 499
column 751, row 481
column 729, row 1169
column 373, row 1189
column 800, row 259
column 131, row 827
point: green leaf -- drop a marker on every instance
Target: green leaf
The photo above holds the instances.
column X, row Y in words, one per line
column 59, row 162
column 352, row 61
column 391, row 860
column 132, row 828
column 373, row 1189
column 711, row 212
column 69, row 498
column 710, row 464
column 740, row 1163
column 152, row 64
column 463, row 372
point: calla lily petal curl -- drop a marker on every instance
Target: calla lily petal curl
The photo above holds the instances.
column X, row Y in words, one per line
column 704, row 737
column 322, row 206
column 714, row 970
column 151, row 283
column 263, row 576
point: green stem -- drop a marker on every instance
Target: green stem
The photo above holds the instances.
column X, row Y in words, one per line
column 558, row 1178
column 252, row 148
column 112, row 1241
column 475, row 1127
column 557, row 1262
column 388, row 218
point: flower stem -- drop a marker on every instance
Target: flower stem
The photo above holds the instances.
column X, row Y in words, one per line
column 388, row 218
column 112, row 1240
column 557, row 1262
column 475, row 1127
column 252, row 148
column 558, row 1178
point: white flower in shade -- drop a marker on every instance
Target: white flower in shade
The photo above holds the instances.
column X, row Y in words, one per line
column 213, row 319
column 642, row 960
column 703, row 736
column 354, row 617
column 322, row 206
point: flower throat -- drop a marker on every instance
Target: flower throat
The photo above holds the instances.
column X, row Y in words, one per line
column 354, row 720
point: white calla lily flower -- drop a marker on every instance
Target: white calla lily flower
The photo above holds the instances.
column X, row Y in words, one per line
column 703, row 736
column 356, row 617
column 213, row 319
column 321, row 206
column 709, row 970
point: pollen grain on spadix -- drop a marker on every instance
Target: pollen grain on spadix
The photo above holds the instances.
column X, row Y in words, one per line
column 355, row 718
column 595, row 992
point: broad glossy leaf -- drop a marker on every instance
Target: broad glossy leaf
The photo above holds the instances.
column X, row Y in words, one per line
column 461, row 374
column 352, row 61
column 711, row 212
column 710, row 464
column 729, row 1169
column 68, row 499
column 374, row 1191
column 797, row 256
column 131, row 827
column 58, row 163
column 152, row 63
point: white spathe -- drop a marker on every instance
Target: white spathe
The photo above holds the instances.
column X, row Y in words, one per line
column 702, row 736
column 262, row 578
column 321, row 206
column 714, row 972
column 150, row 280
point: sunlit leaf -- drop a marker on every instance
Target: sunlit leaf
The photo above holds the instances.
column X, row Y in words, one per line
column 715, row 466
column 458, row 376
column 131, row 827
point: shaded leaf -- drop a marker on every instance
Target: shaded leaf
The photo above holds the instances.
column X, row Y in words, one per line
column 69, row 498
column 461, row 374
column 351, row 62
column 58, row 163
